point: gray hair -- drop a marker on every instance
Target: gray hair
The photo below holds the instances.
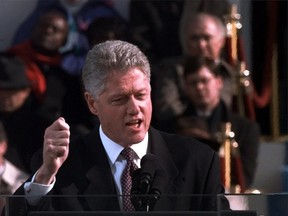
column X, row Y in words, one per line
column 108, row 57
column 189, row 18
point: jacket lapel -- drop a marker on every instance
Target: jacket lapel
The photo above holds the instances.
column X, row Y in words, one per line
column 160, row 148
column 101, row 181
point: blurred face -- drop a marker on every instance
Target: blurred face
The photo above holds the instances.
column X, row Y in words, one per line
column 204, row 38
column 3, row 149
column 124, row 107
column 12, row 100
column 50, row 32
column 203, row 89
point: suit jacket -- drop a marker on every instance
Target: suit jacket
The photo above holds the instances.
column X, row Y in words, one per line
column 191, row 167
column 247, row 134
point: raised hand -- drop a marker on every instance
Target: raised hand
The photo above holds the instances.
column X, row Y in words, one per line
column 55, row 150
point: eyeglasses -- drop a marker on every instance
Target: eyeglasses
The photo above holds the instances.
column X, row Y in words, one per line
column 202, row 80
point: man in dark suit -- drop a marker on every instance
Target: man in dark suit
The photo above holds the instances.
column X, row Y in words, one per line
column 116, row 79
column 206, row 116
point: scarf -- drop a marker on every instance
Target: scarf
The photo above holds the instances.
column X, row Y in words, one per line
column 32, row 58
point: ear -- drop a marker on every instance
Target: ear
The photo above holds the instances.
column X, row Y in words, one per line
column 91, row 102
column 220, row 82
column 3, row 147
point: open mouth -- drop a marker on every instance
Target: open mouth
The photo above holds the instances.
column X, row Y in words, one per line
column 135, row 123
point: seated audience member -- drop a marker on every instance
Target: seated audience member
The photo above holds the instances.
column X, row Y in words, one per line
column 51, row 85
column 206, row 114
column 11, row 177
column 19, row 112
column 201, row 34
column 80, row 14
column 116, row 78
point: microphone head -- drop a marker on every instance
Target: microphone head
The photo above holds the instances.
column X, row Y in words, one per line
column 148, row 183
column 149, row 164
column 158, row 181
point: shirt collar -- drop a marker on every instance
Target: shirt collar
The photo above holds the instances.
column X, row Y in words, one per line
column 113, row 149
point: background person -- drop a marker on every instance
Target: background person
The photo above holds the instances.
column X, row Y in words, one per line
column 201, row 34
column 55, row 90
column 19, row 112
column 206, row 114
column 80, row 14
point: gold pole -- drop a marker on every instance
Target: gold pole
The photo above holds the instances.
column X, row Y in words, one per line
column 234, row 37
column 227, row 156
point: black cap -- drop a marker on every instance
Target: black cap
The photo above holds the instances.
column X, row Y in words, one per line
column 12, row 72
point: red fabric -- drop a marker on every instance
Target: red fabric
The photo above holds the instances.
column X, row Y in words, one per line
column 262, row 98
column 31, row 57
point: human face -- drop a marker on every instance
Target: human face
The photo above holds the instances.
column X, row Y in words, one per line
column 203, row 89
column 204, row 38
column 124, row 107
column 12, row 100
column 3, row 149
column 50, row 32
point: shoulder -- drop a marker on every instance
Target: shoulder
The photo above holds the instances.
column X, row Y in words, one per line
column 184, row 145
column 226, row 69
column 244, row 124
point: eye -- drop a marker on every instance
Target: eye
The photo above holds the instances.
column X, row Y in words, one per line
column 141, row 95
column 118, row 100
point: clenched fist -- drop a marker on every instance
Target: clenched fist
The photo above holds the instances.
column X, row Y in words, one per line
column 55, row 151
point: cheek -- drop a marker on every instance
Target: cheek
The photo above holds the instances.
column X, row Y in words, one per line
column 149, row 108
column 216, row 46
column 191, row 46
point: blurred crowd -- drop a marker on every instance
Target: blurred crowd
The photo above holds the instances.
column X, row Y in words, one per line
column 190, row 53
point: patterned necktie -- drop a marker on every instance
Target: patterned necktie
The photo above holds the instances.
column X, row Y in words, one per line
column 126, row 179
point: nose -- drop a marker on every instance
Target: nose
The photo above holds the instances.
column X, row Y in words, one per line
column 49, row 29
column 199, row 86
column 202, row 43
column 133, row 107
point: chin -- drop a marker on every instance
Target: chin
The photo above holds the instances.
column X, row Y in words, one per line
column 137, row 138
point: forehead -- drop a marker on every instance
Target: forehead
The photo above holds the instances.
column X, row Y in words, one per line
column 204, row 71
column 203, row 26
column 51, row 16
column 133, row 77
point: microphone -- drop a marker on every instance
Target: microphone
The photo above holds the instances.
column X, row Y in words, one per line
column 147, row 183
column 148, row 168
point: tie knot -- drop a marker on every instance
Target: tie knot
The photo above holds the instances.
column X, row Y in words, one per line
column 128, row 154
